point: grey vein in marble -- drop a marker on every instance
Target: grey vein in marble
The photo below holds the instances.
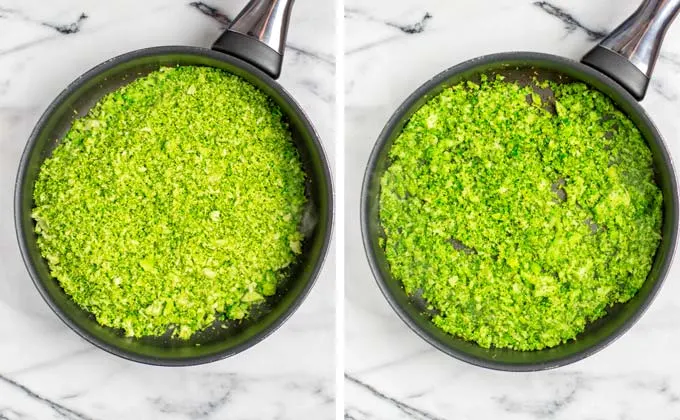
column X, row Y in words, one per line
column 407, row 28
column 70, row 28
column 413, row 28
column 52, row 362
column 660, row 87
column 212, row 12
column 548, row 409
column 219, row 394
column 204, row 410
column 671, row 58
column 65, row 29
column 316, row 90
column 661, row 386
column 58, row 408
column 26, row 45
column 570, row 22
column 414, row 412
column 370, row 45
column 6, row 13
column 314, row 55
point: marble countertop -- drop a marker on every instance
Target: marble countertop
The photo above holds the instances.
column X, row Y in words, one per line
column 46, row 370
column 394, row 46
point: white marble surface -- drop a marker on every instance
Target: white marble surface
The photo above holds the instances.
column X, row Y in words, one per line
column 393, row 374
column 46, row 371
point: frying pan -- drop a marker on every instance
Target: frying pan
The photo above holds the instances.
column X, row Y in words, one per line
column 252, row 48
column 620, row 67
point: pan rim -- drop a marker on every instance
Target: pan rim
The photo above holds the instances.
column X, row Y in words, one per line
column 388, row 130
column 109, row 65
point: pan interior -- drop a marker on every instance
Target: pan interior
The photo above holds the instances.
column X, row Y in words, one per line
column 523, row 68
column 223, row 337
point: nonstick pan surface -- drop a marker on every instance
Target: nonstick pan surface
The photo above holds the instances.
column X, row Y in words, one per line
column 522, row 67
column 223, row 338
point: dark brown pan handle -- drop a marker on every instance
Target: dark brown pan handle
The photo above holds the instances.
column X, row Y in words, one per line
column 629, row 53
column 258, row 35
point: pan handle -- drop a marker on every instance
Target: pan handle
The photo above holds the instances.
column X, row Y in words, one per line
column 258, row 35
column 629, row 53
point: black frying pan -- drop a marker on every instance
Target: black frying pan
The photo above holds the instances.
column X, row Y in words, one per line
column 251, row 48
column 620, row 68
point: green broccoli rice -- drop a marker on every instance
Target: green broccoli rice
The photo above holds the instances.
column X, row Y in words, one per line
column 175, row 201
column 517, row 220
